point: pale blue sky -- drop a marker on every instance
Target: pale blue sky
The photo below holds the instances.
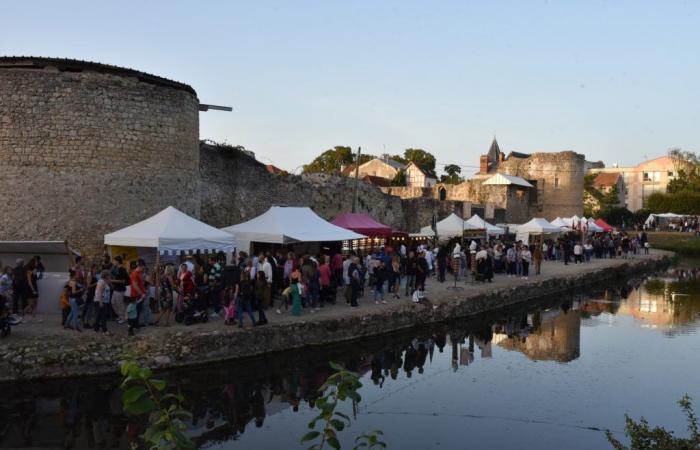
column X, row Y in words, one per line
column 614, row 80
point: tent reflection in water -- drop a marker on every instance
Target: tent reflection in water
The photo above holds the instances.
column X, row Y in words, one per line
column 288, row 225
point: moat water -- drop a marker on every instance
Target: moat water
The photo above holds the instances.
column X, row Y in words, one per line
column 550, row 375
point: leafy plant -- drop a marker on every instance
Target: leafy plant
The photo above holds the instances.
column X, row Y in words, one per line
column 644, row 437
column 145, row 396
column 340, row 386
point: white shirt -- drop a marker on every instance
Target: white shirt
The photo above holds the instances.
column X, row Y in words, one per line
column 472, row 246
column 402, row 250
column 577, row 249
column 266, row 268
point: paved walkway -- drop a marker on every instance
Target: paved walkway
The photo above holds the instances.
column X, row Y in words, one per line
column 48, row 329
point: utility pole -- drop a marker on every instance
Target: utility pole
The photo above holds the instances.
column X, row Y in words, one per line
column 357, row 179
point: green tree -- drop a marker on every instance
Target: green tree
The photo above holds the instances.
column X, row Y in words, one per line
column 331, row 160
column 687, row 165
column 610, row 199
column 419, row 156
column 452, row 174
column 399, row 178
column 643, row 437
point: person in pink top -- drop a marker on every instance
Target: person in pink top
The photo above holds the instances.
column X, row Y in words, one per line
column 325, row 271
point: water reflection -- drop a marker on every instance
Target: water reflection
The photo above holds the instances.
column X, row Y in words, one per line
column 232, row 401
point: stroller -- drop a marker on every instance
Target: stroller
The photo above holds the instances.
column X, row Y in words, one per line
column 189, row 312
column 7, row 320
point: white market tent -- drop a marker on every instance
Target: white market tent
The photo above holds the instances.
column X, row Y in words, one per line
column 662, row 217
column 536, row 226
column 449, row 227
column 288, row 225
column 559, row 222
column 480, row 223
column 172, row 231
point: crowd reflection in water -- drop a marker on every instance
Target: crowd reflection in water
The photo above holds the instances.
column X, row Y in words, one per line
column 228, row 400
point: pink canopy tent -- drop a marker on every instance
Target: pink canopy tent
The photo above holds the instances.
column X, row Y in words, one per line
column 604, row 225
column 363, row 224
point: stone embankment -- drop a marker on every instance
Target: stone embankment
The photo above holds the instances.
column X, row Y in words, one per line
column 35, row 351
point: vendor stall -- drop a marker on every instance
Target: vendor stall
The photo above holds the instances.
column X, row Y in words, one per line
column 449, row 227
column 377, row 233
column 288, row 225
column 479, row 223
column 535, row 227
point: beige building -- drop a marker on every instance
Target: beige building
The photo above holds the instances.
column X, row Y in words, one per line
column 377, row 167
column 643, row 179
column 420, row 176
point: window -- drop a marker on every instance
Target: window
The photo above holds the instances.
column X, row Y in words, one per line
column 646, row 176
column 556, row 183
column 670, row 173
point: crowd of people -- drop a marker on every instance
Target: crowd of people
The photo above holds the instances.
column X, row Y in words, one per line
column 247, row 289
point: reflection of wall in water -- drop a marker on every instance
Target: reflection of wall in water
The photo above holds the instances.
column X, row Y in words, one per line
column 557, row 338
column 660, row 308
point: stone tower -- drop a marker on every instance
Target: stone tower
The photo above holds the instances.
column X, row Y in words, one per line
column 87, row 148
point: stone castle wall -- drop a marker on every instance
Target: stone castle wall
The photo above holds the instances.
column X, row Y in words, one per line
column 559, row 178
column 235, row 188
column 85, row 152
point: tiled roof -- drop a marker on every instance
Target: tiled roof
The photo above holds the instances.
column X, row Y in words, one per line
column 606, row 179
column 376, row 181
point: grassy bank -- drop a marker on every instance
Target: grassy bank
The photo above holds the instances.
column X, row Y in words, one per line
column 681, row 243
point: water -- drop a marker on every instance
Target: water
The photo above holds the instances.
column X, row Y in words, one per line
column 549, row 375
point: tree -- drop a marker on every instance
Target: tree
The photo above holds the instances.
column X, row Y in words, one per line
column 452, row 174
column 399, row 178
column 333, row 160
column 687, row 164
column 644, row 437
column 610, row 199
column 419, row 156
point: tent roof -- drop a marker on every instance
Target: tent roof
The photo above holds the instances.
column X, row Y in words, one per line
column 538, row 225
column 603, row 224
column 592, row 226
column 559, row 222
column 502, row 178
column 450, row 226
column 363, row 224
column 478, row 222
column 288, row 224
column 171, row 230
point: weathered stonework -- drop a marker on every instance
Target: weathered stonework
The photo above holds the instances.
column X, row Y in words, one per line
column 86, row 149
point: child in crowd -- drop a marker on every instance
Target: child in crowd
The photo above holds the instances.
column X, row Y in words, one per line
column 132, row 315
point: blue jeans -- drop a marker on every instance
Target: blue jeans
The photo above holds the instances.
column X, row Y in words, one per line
column 72, row 320
column 240, row 306
column 379, row 292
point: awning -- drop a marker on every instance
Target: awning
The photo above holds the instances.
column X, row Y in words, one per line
column 172, row 231
column 449, row 227
column 480, row 223
column 604, row 225
column 363, row 224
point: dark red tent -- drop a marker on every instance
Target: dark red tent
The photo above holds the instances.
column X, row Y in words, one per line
column 604, row 225
column 363, row 224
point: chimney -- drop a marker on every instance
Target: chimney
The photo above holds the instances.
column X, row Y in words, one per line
column 501, row 157
column 484, row 164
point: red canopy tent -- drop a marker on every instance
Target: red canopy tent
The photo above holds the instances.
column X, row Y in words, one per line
column 604, row 225
column 363, row 224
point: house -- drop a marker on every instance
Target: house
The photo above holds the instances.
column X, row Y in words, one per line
column 377, row 167
column 603, row 184
column 644, row 179
column 376, row 181
column 418, row 175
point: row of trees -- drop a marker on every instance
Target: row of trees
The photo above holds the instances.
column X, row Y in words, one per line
column 335, row 159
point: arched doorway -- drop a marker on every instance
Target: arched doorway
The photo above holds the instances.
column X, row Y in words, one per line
column 442, row 193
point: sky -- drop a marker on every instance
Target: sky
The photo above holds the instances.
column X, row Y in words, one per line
column 618, row 81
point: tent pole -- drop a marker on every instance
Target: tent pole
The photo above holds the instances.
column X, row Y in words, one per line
column 156, row 279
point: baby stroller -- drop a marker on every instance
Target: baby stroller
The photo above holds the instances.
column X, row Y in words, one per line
column 189, row 313
column 7, row 320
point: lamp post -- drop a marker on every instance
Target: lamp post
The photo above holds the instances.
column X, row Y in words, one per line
column 357, row 176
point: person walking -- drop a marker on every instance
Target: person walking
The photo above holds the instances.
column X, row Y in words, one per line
column 75, row 299
column 578, row 253
column 379, row 278
column 537, row 257
column 32, row 288
column 354, row 273
column 325, row 274
column 89, row 312
column 120, row 280
column 19, row 287
column 168, row 287
column 102, row 294
column 526, row 260
column 295, row 292
column 243, row 296
column 411, row 269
